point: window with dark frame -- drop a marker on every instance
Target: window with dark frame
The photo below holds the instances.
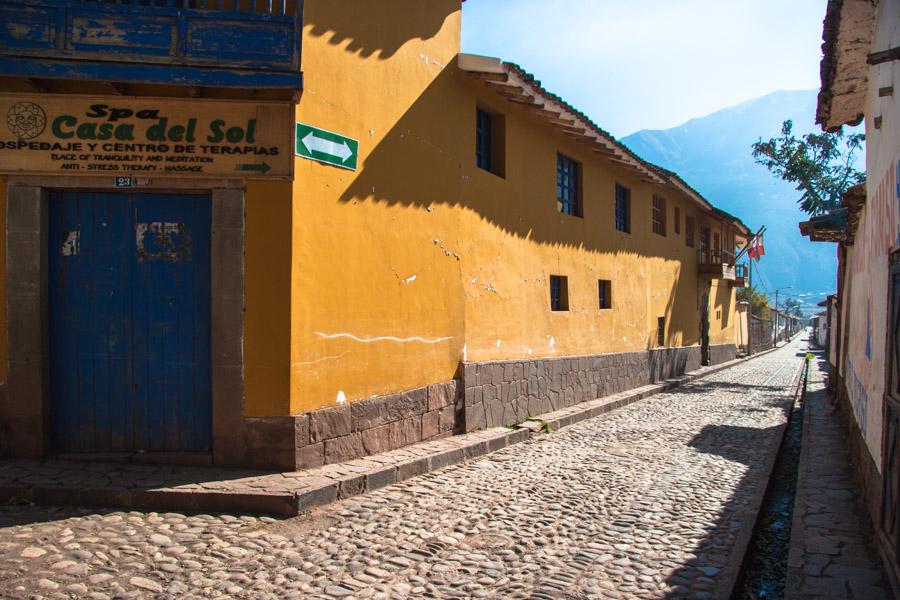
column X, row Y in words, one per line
column 559, row 293
column 661, row 331
column 567, row 186
column 623, row 209
column 677, row 224
column 659, row 215
column 605, row 289
column 484, row 138
column 689, row 232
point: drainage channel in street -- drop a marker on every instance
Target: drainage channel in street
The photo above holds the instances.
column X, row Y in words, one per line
column 764, row 572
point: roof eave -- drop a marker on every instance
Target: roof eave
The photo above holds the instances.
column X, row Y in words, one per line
column 519, row 87
column 848, row 31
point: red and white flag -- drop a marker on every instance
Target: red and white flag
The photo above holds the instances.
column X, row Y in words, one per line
column 757, row 249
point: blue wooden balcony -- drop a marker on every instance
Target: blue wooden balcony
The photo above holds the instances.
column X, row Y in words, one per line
column 249, row 44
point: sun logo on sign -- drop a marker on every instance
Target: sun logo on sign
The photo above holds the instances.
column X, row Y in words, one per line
column 26, row 120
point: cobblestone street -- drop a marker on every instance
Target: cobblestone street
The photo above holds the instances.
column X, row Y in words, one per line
column 649, row 501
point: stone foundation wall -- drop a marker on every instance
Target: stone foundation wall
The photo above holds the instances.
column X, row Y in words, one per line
column 722, row 353
column 869, row 481
column 866, row 474
column 491, row 394
column 356, row 429
column 506, row 392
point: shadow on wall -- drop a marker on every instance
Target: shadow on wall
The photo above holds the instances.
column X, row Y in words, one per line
column 436, row 136
column 380, row 38
column 662, row 365
column 427, row 160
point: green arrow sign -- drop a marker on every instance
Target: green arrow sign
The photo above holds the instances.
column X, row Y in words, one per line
column 327, row 147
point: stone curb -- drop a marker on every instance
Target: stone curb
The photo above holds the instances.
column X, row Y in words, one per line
column 322, row 486
column 798, row 523
column 733, row 569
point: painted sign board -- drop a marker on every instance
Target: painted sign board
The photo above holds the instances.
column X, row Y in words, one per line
column 327, row 147
column 145, row 137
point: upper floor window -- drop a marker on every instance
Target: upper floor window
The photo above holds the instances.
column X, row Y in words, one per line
column 659, row 215
column 484, row 140
column 704, row 240
column 490, row 142
column 568, row 184
column 623, row 208
column 689, row 232
column 677, row 224
column 559, row 293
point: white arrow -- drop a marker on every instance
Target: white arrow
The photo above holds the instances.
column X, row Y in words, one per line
column 317, row 144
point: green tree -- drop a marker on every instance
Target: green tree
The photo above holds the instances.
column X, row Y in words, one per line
column 820, row 164
column 759, row 304
column 792, row 307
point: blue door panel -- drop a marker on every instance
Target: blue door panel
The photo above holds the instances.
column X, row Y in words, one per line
column 129, row 322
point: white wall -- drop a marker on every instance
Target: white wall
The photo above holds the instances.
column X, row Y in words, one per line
column 878, row 234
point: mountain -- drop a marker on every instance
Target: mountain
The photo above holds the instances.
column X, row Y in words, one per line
column 713, row 154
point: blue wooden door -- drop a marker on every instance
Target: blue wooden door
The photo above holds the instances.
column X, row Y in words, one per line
column 129, row 322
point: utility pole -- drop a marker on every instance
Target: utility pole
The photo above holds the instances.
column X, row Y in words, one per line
column 775, row 329
column 750, row 307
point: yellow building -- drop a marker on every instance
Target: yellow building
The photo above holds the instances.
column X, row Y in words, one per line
column 476, row 251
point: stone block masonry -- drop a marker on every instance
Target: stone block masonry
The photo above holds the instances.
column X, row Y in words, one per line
column 362, row 428
column 489, row 394
column 507, row 392
column 722, row 353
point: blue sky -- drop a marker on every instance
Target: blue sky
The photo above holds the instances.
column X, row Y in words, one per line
column 653, row 64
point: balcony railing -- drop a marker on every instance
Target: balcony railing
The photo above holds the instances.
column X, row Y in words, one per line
column 272, row 7
column 719, row 263
column 253, row 44
column 712, row 257
column 740, row 275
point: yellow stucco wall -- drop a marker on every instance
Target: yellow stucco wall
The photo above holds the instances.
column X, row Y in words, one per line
column 361, row 324
column 515, row 238
column 722, row 321
column 420, row 260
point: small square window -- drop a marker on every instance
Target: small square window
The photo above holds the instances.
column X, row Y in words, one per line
column 677, row 224
column 623, row 209
column 605, row 289
column 689, row 231
column 661, row 331
column 559, row 293
column 568, row 186
column 659, row 215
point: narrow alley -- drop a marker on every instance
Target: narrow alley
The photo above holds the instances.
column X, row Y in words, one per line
column 651, row 501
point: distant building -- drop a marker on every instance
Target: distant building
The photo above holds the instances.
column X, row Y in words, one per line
column 859, row 84
column 210, row 258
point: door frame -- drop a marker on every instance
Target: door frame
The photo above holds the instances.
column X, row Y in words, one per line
column 28, row 402
column 890, row 410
